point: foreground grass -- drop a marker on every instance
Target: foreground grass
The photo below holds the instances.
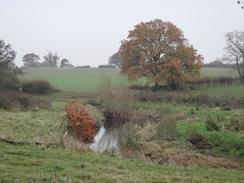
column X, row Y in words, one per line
column 40, row 164
column 31, row 163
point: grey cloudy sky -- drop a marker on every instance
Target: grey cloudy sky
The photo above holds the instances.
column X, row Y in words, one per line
column 88, row 32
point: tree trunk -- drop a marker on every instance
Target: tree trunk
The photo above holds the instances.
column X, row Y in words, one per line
column 174, row 85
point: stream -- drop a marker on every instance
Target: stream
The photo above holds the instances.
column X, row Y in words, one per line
column 108, row 138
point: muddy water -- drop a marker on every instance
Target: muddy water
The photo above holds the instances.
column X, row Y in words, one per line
column 108, row 138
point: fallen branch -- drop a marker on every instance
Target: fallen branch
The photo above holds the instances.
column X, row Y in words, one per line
column 25, row 143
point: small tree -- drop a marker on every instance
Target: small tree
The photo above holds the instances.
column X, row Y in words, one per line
column 52, row 59
column 64, row 62
column 31, row 60
column 8, row 71
column 115, row 59
column 235, row 51
column 158, row 51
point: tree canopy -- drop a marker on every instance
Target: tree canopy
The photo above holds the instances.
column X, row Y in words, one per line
column 115, row 59
column 52, row 59
column 64, row 62
column 8, row 71
column 158, row 51
column 31, row 60
column 234, row 51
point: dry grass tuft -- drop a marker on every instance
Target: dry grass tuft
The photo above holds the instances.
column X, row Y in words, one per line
column 182, row 158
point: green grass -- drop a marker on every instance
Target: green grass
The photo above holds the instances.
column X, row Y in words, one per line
column 217, row 72
column 235, row 91
column 72, row 79
column 39, row 164
column 80, row 79
column 232, row 140
column 35, row 125
column 31, row 163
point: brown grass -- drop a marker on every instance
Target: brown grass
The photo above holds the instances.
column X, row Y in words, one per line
column 190, row 159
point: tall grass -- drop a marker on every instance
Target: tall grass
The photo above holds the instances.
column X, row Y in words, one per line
column 116, row 98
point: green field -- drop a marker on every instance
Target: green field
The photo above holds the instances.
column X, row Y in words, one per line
column 78, row 79
column 70, row 79
column 217, row 72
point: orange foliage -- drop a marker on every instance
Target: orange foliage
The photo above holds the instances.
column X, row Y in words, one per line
column 159, row 51
column 80, row 123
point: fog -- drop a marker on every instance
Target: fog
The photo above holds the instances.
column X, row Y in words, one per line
column 89, row 32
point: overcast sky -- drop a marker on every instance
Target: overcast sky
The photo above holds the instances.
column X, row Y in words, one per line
column 88, row 32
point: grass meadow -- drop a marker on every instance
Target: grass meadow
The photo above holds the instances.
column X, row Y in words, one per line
column 61, row 159
column 70, row 79
column 217, row 72
column 83, row 79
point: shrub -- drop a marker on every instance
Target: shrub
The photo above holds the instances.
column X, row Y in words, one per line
column 166, row 130
column 131, row 142
column 235, row 124
column 197, row 99
column 41, row 87
column 215, row 81
column 116, row 99
column 211, row 124
column 140, row 116
column 226, row 108
column 199, row 141
column 80, row 123
column 11, row 100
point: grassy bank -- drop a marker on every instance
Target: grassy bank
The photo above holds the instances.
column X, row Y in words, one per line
column 39, row 164
column 58, row 163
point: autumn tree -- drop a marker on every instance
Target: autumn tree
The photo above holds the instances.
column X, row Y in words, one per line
column 115, row 59
column 31, row 60
column 158, row 51
column 8, row 70
column 234, row 51
column 52, row 59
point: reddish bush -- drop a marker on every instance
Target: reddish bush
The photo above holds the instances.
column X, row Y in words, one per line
column 80, row 123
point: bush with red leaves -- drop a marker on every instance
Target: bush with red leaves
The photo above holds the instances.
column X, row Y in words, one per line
column 80, row 123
